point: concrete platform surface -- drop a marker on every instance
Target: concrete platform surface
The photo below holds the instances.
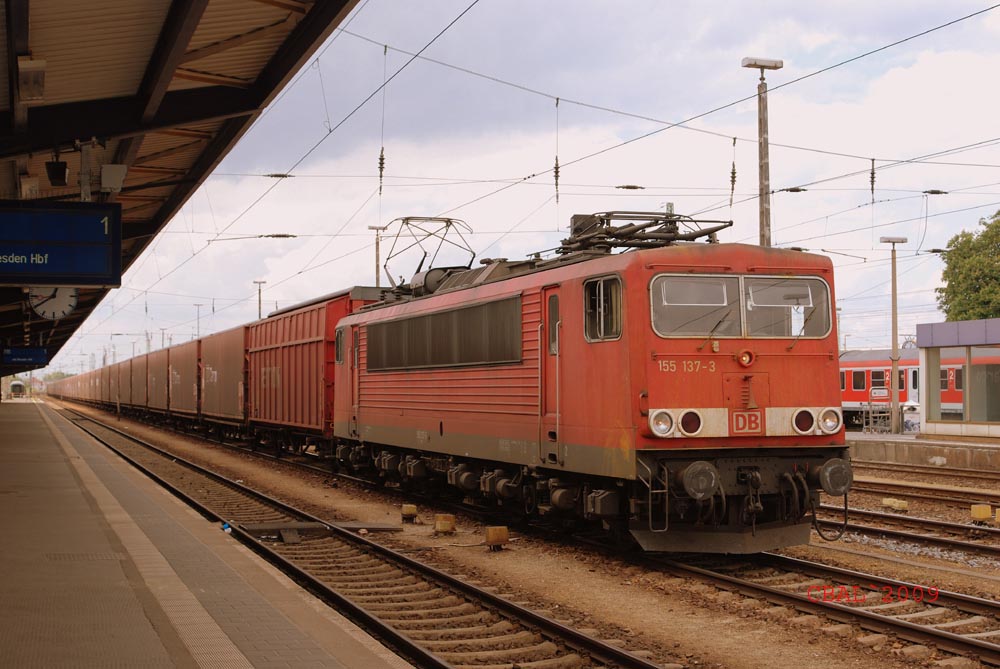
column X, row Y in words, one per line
column 100, row 567
column 982, row 455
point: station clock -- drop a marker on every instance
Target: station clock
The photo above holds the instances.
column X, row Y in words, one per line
column 53, row 302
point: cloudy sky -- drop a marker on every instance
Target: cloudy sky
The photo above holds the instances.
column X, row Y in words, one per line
column 466, row 125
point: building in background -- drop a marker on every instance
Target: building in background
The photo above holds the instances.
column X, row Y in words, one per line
column 960, row 378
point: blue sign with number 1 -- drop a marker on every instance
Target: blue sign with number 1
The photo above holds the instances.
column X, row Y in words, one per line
column 60, row 244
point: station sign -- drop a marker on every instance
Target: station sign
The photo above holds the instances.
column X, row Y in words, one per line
column 60, row 243
column 25, row 356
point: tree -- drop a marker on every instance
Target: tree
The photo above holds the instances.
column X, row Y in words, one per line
column 972, row 274
column 55, row 376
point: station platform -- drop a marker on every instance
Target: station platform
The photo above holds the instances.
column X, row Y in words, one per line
column 101, row 567
column 983, row 454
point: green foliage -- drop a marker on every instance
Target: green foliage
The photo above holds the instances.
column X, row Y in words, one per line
column 972, row 274
column 55, row 376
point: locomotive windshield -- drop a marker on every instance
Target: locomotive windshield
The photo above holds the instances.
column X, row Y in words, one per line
column 729, row 306
column 696, row 305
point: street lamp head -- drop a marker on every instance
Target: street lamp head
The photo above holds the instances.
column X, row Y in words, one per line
column 893, row 240
column 763, row 63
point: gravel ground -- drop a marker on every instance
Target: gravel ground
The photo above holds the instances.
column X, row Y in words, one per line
column 679, row 621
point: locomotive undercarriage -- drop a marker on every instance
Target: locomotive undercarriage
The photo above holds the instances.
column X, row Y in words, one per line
column 709, row 503
column 694, row 501
column 714, row 502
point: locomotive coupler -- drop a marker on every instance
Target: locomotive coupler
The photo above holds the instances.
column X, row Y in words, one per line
column 754, row 505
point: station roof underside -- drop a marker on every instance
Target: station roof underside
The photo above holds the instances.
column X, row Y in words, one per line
column 164, row 87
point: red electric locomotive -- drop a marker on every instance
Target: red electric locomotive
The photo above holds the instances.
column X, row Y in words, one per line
column 685, row 393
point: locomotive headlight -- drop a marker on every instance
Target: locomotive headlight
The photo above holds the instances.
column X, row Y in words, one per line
column 700, row 480
column 661, row 422
column 836, row 477
column 829, row 420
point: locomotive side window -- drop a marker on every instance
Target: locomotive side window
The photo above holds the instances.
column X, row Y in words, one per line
column 338, row 347
column 553, row 325
column 696, row 305
column 602, row 308
column 916, row 379
column 858, row 379
column 484, row 334
column 787, row 307
column 878, row 378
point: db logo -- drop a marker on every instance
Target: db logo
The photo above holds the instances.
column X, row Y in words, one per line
column 746, row 422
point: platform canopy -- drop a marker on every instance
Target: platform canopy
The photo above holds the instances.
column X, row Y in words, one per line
column 136, row 102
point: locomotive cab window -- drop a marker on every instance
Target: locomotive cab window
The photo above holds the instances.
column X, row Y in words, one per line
column 338, row 347
column 602, row 300
column 696, row 306
column 787, row 307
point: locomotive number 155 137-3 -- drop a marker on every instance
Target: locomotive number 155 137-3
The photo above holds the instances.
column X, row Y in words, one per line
column 685, row 366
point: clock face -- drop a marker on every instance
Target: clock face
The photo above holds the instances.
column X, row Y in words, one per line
column 52, row 302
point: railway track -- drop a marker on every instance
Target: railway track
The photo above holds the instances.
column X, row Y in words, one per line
column 433, row 619
column 965, row 538
column 950, row 472
column 912, row 490
column 959, row 624
column 411, row 605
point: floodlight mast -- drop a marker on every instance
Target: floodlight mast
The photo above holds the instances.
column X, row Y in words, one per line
column 764, row 176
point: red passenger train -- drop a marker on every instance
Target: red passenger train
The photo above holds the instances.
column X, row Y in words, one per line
column 865, row 374
column 683, row 393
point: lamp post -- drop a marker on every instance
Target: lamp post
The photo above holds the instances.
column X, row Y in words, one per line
column 379, row 229
column 764, row 175
column 259, row 284
column 894, row 381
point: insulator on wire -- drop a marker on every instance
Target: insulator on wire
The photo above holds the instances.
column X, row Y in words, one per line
column 555, row 170
column 873, row 181
column 381, row 168
column 555, row 173
column 732, row 177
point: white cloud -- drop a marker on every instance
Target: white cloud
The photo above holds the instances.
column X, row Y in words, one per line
column 669, row 62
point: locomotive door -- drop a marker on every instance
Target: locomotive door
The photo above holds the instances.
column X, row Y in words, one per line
column 355, row 376
column 549, row 368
